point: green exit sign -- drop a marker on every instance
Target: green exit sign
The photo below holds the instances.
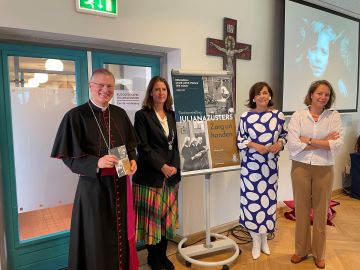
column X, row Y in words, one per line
column 99, row 7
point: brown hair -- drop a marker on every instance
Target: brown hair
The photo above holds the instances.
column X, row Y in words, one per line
column 255, row 90
column 314, row 85
column 357, row 145
column 148, row 102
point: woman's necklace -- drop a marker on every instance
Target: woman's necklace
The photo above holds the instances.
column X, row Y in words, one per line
column 315, row 116
column 171, row 141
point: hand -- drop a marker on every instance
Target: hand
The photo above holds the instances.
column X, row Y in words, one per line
column 107, row 161
column 276, row 147
column 133, row 167
column 262, row 149
column 174, row 171
column 168, row 171
column 200, row 153
column 332, row 136
column 304, row 139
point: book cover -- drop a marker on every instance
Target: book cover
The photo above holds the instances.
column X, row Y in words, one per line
column 123, row 165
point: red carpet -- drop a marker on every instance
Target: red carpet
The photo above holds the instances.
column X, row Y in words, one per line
column 331, row 212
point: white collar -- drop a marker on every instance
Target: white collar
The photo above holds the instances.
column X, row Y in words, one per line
column 102, row 108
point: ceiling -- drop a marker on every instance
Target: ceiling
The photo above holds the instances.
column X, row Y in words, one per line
column 28, row 66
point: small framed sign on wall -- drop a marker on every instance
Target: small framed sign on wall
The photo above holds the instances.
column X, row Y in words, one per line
column 98, row 7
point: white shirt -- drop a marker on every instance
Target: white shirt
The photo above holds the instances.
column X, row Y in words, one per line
column 164, row 124
column 302, row 124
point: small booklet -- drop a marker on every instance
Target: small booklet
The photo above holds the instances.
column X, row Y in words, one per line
column 123, row 165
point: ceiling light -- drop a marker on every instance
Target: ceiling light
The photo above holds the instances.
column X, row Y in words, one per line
column 41, row 77
column 32, row 83
column 54, row 64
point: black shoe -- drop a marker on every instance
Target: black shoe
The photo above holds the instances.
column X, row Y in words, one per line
column 167, row 264
column 154, row 262
column 153, row 257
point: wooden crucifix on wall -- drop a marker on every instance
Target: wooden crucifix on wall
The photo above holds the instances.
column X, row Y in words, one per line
column 230, row 50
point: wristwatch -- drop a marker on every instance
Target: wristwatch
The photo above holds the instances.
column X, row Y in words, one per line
column 309, row 142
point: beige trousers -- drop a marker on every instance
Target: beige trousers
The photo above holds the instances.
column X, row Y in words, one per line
column 312, row 187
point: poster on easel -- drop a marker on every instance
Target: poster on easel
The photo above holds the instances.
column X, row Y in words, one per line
column 205, row 122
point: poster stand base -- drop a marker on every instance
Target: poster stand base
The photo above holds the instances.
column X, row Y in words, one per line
column 225, row 243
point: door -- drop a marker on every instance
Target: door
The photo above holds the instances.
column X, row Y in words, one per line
column 132, row 75
column 39, row 85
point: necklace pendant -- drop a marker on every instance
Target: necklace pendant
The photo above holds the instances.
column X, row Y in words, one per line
column 170, row 147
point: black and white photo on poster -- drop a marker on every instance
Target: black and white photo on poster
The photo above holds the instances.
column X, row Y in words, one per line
column 218, row 95
column 193, row 145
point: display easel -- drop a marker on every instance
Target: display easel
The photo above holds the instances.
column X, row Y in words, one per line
column 224, row 243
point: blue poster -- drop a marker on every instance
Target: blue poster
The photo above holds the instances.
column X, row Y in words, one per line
column 188, row 98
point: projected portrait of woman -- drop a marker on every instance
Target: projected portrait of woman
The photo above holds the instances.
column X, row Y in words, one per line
column 318, row 54
column 319, row 45
column 324, row 49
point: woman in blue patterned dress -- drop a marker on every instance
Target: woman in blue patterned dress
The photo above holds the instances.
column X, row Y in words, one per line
column 261, row 135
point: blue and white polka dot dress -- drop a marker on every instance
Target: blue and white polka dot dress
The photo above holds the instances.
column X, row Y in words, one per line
column 259, row 173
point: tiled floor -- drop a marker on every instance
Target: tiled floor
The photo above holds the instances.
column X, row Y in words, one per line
column 45, row 221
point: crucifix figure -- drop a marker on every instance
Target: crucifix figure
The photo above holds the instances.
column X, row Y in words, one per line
column 230, row 50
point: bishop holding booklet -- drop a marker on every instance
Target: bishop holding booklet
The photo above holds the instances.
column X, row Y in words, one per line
column 102, row 232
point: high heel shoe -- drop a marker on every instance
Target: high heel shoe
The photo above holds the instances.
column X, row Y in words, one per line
column 255, row 252
column 264, row 244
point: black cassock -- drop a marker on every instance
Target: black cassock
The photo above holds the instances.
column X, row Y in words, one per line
column 98, row 235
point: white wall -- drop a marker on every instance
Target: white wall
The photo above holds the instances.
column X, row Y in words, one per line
column 184, row 26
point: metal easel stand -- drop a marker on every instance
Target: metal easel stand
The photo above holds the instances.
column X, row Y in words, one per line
column 209, row 247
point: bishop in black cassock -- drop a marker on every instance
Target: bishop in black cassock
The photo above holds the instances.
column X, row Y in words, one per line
column 102, row 234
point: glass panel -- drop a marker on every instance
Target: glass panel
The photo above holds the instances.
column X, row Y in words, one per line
column 130, row 86
column 41, row 92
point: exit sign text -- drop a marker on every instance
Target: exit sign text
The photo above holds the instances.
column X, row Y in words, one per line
column 99, row 7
